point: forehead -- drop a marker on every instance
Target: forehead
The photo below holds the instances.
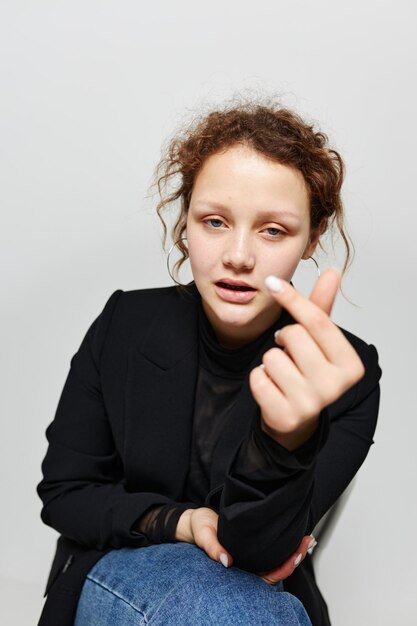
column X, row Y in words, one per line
column 241, row 176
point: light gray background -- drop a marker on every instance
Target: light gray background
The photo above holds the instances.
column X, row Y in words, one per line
column 90, row 90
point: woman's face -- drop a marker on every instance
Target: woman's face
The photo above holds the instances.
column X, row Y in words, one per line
column 248, row 217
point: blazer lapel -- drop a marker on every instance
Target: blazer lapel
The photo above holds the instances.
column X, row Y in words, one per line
column 162, row 375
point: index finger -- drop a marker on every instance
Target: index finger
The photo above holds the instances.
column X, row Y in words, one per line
column 313, row 312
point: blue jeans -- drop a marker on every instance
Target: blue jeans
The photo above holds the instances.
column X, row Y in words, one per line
column 175, row 584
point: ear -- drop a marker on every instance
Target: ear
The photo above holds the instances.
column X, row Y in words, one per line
column 314, row 239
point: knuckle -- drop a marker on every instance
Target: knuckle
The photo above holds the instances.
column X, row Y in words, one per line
column 290, row 424
column 317, row 404
column 360, row 370
column 258, row 388
column 292, row 331
column 269, row 354
column 355, row 370
column 255, row 375
column 258, row 383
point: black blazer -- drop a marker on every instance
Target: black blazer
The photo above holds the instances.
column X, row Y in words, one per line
column 120, row 443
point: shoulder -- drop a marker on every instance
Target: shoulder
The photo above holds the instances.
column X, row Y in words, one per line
column 129, row 314
column 137, row 299
column 139, row 304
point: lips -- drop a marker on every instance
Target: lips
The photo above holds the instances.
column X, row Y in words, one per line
column 235, row 291
column 234, row 285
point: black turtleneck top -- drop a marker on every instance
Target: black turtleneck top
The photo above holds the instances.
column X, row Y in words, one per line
column 221, row 372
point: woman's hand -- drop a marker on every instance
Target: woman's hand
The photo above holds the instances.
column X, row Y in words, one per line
column 199, row 526
column 284, row 570
column 316, row 366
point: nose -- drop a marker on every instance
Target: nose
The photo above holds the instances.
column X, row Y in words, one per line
column 237, row 253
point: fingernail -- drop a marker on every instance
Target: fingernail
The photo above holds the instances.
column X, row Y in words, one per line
column 224, row 560
column 298, row 560
column 276, row 333
column 312, row 543
column 262, row 366
column 273, row 283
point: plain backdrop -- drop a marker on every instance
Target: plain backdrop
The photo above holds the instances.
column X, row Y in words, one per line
column 90, row 92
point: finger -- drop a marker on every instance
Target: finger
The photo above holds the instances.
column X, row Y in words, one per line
column 303, row 393
column 266, row 393
column 304, row 352
column 207, row 540
column 329, row 337
column 324, row 291
column 323, row 294
column 287, row 568
column 282, row 370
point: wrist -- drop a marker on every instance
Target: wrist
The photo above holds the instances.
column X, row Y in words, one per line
column 183, row 531
column 292, row 440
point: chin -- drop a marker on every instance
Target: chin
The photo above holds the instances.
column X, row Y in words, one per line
column 234, row 315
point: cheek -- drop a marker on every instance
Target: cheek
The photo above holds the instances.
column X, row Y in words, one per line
column 282, row 264
column 202, row 256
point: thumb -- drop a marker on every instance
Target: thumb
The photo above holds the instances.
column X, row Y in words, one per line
column 325, row 290
column 208, row 541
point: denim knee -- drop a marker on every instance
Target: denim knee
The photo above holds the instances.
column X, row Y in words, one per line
column 178, row 583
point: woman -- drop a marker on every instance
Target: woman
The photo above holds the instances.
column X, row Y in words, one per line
column 188, row 427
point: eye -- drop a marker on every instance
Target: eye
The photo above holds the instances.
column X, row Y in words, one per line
column 214, row 223
column 274, row 232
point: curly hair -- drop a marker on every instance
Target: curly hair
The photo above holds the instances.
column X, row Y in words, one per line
column 272, row 130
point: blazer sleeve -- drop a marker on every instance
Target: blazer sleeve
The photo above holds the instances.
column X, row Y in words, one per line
column 83, row 489
column 264, row 514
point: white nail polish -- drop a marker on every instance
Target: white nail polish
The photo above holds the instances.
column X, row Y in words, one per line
column 298, row 560
column 312, row 543
column 224, row 560
column 273, row 283
column 276, row 333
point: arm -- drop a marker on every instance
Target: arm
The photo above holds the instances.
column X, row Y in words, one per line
column 268, row 505
column 83, row 489
column 350, row 438
column 315, row 377
column 161, row 523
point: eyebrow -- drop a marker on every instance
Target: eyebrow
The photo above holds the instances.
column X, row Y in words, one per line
column 268, row 215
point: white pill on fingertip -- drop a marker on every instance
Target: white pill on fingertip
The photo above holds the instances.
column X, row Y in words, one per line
column 273, row 283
